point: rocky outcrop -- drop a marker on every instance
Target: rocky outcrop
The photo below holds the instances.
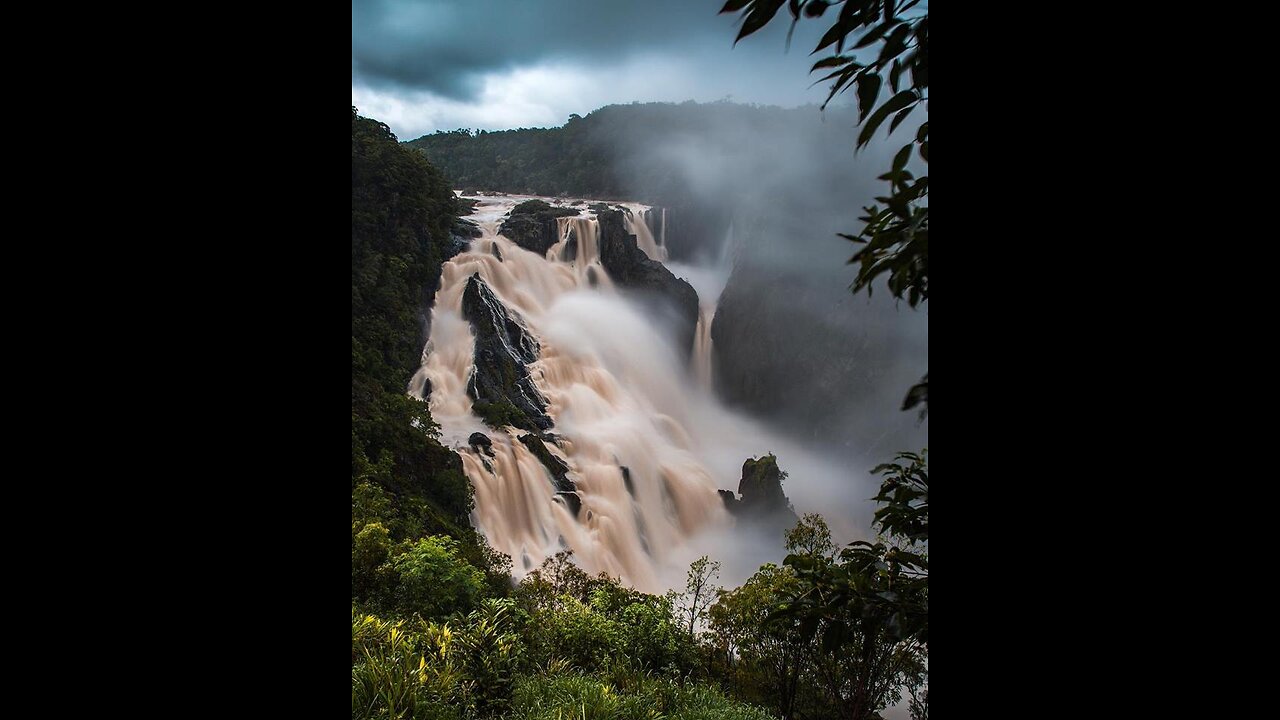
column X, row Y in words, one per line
column 481, row 443
column 532, row 225
column 761, row 500
column 761, row 486
column 729, row 499
column 570, row 251
column 631, row 268
column 696, row 228
column 554, row 465
column 466, row 228
column 626, row 480
column 503, row 392
column 571, row 501
column 565, row 489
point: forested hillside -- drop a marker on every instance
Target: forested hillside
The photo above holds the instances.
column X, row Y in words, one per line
column 602, row 154
column 439, row 628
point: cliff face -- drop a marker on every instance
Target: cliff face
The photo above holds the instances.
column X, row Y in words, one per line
column 695, row 229
column 532, row 225
column 792, row 344
column 631, row 268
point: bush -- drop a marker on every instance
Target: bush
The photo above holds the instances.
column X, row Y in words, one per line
column 434, row 581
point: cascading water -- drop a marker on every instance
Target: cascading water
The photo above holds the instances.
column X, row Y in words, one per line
column 646, row 445
column 637, row 224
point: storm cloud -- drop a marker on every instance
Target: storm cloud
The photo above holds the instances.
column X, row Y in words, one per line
column 426, row 65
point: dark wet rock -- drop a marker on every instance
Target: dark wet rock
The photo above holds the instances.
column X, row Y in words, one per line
column 730, row 500
column 631, row 268
column 626, row 480
column 571, row 501
column 761, row 485
column 532, row 225
column 761, row 500
column 696, row 227
column 480, row 442
column 554, row 465
column 570, row 251
column 455, row 245
column 497, row 251
column 642, row 529
column 501, row 387
column 792, row 346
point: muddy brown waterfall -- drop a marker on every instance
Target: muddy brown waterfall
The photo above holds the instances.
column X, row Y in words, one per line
column 645, row 443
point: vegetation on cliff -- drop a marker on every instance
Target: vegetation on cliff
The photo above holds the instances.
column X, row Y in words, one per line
column 439, row 630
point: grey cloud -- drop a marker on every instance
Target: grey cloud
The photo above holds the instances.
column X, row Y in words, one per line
column 446, row 47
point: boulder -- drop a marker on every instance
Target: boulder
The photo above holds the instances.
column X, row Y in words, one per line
column 481, row 443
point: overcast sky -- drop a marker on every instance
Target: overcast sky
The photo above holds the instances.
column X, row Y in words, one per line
column 427, row 65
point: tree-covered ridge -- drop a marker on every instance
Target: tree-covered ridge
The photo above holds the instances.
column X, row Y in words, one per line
column 601, row 155
column 404, row 483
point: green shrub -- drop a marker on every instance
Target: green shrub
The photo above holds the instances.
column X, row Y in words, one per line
column 434, row 581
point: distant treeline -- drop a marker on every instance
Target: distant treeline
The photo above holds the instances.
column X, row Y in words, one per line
column 616, row 152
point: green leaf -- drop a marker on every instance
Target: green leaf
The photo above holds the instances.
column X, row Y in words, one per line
column 895, row 44
column 894, row 104
column 875, row 33
column 760, row 15
column 833, row 61
column 894, row 74
column 899, row 118
column 923, row 133
column 734, row 6
column 868, row 90
column 924, row 150
column 903, row 156
column 815, row 9
column 836, row 32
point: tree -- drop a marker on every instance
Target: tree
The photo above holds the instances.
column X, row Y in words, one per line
column 811, row 536
column 870, row 604
column 895, row 236
column 699, row 591
column 766, row 661
column 434, row 580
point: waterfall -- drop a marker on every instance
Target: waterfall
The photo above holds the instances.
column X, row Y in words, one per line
column 702, row 345
column 646, row 443
column 637, row 224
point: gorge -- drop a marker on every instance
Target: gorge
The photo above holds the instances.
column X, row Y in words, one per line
column 570, row 369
